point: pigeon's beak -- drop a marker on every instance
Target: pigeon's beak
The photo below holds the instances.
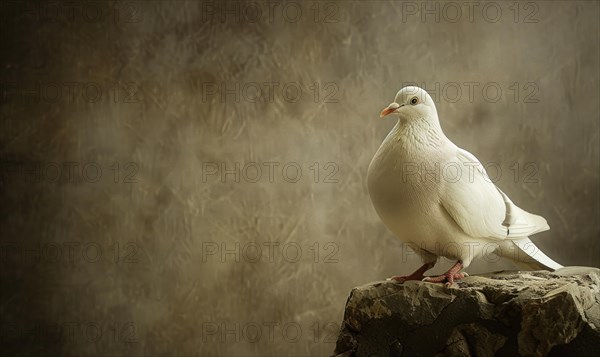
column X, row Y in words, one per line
column 390, row 109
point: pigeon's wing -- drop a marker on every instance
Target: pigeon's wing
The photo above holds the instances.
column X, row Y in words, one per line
column 479, row 207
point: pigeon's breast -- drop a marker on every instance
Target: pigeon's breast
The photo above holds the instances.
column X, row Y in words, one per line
column 396, row 186
column 403, row 182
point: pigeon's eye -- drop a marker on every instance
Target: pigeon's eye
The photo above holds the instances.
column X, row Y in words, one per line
column 414, row 101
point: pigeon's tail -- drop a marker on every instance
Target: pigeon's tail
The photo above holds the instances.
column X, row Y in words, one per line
column 528, row 256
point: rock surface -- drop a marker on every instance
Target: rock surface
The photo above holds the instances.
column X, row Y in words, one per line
column 499, row 314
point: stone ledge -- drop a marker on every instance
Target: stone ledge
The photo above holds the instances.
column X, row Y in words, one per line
column 505, row 313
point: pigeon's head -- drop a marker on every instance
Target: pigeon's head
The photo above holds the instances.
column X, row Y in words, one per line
column 411, row 102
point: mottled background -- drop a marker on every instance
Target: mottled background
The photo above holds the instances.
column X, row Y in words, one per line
column 122, row 231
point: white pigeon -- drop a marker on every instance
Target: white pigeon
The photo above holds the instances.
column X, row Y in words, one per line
column 438, row 199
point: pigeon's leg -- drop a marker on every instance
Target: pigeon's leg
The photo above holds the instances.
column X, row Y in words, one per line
column 449, row 276
column 417, row 275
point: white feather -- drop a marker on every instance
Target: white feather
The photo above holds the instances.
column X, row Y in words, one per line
column 481, row 209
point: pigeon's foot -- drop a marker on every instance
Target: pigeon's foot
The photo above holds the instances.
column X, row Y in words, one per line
column 445, row 278
column 449, row 276
column 417, row 275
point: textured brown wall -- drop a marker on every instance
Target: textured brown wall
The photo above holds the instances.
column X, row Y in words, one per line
column 164, row 116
